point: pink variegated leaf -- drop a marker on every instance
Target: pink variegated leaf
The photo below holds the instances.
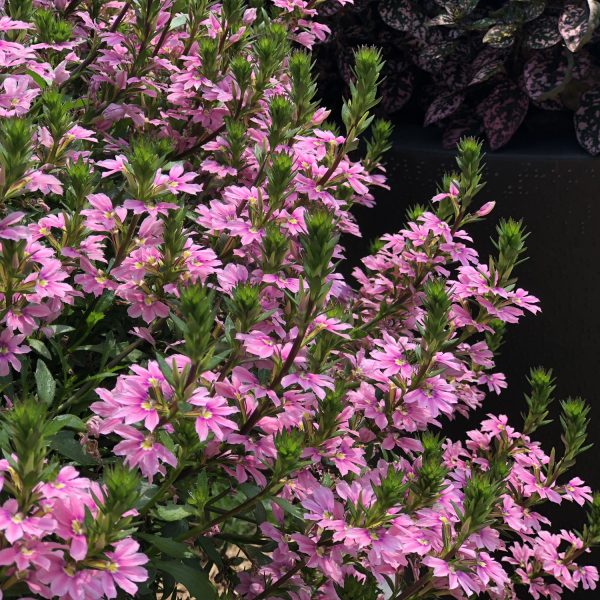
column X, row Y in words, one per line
column 503, row 112
column 587, row 121
column 402, row 16
column 458, row 127
column 443, row 106
column 542, row 33
column 501, row 36
column 488, row 63
column 432, row 57
column 577, row 24
column 547, row 73
column 396, row 87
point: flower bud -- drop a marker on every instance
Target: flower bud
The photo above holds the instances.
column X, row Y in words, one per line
column 28, row 434
column 244, row 306
column 289, row 445
column 56, row 114
column 470, row 163
column 482, row 493
column 52, row 29
column 275, row 248
column 197, row 313
column 591, row 531
column 15, row 152
column 318, row 243
column 122, row 489
column 379, row 144
column 540, row 398
column 79, row 184
column 437, row 306
column 242, row 71
column 363, row 91
column 281, row 111
column 235, row 133
column 303, row 86
column 279, row 177
column 510, row 245
column 209, row 53
column 574, row 421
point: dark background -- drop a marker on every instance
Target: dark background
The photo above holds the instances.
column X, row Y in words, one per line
column 546, row 179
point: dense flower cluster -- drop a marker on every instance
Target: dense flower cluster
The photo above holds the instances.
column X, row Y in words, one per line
column 194, row 394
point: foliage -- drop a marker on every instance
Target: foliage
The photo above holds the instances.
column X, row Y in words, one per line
column 478, row 66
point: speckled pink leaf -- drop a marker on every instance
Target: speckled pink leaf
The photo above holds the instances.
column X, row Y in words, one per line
column 577, row 24
column 501, row 36
column 487, row 63
column 396, row 87
column 459, row 127
column 587, row 121
column 547, row 72
column 542, row 33
column 503, row 112
column 402, row 16
column 432, row 57
column 443, row 106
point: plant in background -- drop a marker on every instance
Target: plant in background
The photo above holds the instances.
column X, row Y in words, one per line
column 193, row 395
column 480, row 67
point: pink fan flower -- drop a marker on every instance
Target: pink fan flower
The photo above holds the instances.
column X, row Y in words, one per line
column 210, row 415
column 9, row 230
column 103, row 216
column 453, row 192
column 454, row 577
column 259, row 344
column 17, row 97
column 177, row 181
column 113, row 165
column 42, row 182
column 124, row 568
column 143, row 451
column 15, row 524
column 9, row 348
column 310, row 381
column 70, row 517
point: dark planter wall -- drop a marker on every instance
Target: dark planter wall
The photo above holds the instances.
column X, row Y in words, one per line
column 550, row 183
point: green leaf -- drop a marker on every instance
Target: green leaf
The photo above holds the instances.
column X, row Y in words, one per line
column 46, row 386
column 93, row 318
column 208, row 545
column 289, row 508
column 167, row 545
column 173, row 512
column 40, row 348
column 65, row 443
column 65, row 421
column 194, row 579
column 42, row 83
column 178, row 21
column 60, row 329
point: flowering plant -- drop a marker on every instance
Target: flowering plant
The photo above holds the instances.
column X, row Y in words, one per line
column 479, row 66
column 193, row 395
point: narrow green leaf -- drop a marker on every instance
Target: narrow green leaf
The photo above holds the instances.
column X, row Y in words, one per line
column 65, row 443
column 173, row 512
column 46, row 386
column 194, row 579
column 40, row 348
column 167, row 545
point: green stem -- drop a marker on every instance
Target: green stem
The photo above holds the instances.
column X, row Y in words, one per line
column 240, row 508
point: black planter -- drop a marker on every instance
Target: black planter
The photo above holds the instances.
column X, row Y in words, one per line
column 549, row 182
